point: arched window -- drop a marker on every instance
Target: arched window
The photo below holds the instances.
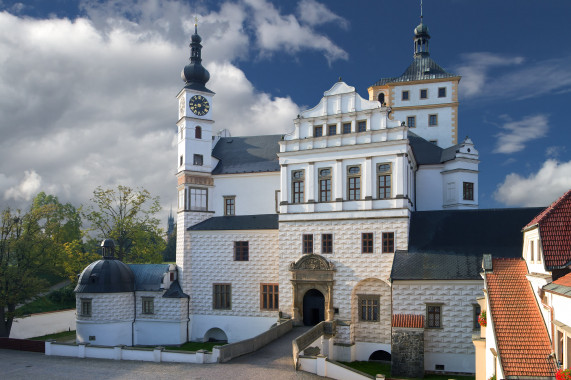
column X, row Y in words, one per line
column 198, row 132
column 381, row 98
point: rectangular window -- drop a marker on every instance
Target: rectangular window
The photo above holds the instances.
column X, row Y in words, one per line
column 181, row 160
column 198, row 199
column 346, row 128
column 404, row 95
column 85, row 307
column 332, row 129
column 361, row 126
column 230, row 205
column 221, row 296
column 148, row 305
column 278, row 192
column 353, row 183
column 424, row 93
column 384, row 179
column 297, row 179
column 369, row 308
column 327, row 243
column 197, row 160
column 531, row 253
column 441, row 92
column 367, row 242
column 433, row 316
column 476, row 310
column 269, row 297
column 307, row 243
column 325, row 185
column 432, row 120
column 318, row 131
column 468, row 191
column 388, row 242
column 411, row 121
column 435, row 142
column 241, row 250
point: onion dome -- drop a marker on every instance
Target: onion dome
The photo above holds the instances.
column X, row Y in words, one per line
column 194, row 74
column 421, row 29
column 108, row 275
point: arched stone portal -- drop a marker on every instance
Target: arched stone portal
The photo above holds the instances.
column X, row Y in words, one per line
column 312, row 273
column 313, row 307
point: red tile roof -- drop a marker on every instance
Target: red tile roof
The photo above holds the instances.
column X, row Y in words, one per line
column 555, row 232
column 564, row 281
column 408, row 320
column 521, row 336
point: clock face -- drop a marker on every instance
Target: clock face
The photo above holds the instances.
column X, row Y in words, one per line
column 199, row 105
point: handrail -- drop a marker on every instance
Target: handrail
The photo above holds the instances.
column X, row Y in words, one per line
column 303, row 341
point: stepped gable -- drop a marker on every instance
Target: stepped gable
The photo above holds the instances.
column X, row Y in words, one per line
column 555, row 232
column 522, row 339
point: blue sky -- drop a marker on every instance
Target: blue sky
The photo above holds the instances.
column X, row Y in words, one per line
column 87, row 88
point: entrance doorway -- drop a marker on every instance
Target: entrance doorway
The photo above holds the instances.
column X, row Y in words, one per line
column 313, row 307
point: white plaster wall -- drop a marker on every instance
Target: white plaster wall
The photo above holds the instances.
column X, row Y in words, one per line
column 211, row 259
column 492, row 365
column 236, row 328
column 429, row 188
column 363, row 350
column 414, row 94
column 160, row 332
column 458, row 177
column 562, row 309
column 537, row 265
column 442, row 132
column 254, row 192
column 455, row 336
column 108, row 333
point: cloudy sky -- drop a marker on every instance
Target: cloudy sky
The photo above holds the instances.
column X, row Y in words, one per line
column 87, row 87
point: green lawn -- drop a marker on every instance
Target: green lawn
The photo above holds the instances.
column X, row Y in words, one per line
column 58, row 300
column 66, row 335
column 374, row 368
column 195, row 346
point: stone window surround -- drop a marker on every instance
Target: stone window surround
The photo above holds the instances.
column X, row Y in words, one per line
column 411, row 121
column 384, row 174
column 369, row 297
column 421, row 92
column 468, row 191
column 229, row 205
column 440, row 306
column 325, row 195
column 297, row 186
column 241, row 251
column 405, row 95
column 222, row 296
column 270, row 296
column 433, row 120
column 198, row 159
column 307, row 244
column 353, row 183
column 148, row 305
column 441, row 92
column 368, row 242
column 327, row 248
column 85, row 307
column 385, row 236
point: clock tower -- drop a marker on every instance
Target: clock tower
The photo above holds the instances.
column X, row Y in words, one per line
column 194, row 140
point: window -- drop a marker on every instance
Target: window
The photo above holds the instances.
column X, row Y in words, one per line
column 332, row 129
column 468, row 191
column 317, row 131
column 307, row 243
column 441, row 92
column 381, row 98
column 198, row 132
column 367, row 242
column 432, row 120
column 353, row 183
column 411, row 121
column 388, row 242
column 531, row 253
column 297, row 178
column 384, row 179
column 278, row 192
column 269, row 297
column 197, row 160
column 181, row 160
column 424, row 93
column 241, row 249
column 148, row 305
column 476, row 310
column 85, row 307
column 221, row 296
column 198, row 199
column 230, row 205
column 433, row 316
column 325, row 185
column 369, row 308
column 327, row 243
column 346, row 128
column 435, row 142
column 361, row 126
column 404, row 95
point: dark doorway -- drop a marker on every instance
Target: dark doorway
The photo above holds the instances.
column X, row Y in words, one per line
column 381, row 98
column 380, row 356
column 313, row 307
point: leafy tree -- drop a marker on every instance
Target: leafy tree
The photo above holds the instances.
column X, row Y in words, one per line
column 127, row 216
column 76, row 258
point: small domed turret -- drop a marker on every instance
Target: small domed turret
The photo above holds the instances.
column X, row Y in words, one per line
column 194, row 74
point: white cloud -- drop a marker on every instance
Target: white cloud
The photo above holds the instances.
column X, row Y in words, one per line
column 313, row 13
column 517, row 133
column 555, row 151
column 26, row 189
column 489, row 76
column 538, row 189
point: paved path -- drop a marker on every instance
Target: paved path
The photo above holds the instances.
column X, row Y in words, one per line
column 273, row 362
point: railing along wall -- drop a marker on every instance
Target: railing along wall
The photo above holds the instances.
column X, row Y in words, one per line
column 303, row 341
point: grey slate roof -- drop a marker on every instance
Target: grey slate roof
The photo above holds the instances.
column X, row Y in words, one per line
column 421, row 68
column 175, row 291
column 249, row 154
column 106, row 276
column 238, row 222
column 427, row 153
column 449, row 244
column 559, row 289
column 149, row 276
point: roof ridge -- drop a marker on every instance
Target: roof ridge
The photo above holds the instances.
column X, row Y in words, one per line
column 548, row 210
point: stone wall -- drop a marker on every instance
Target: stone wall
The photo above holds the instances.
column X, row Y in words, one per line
column 407, row 356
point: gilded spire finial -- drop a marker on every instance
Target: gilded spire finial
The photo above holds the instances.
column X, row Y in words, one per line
column 195, row 24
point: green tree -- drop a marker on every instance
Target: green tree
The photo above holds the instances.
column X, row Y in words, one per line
column 128, row 216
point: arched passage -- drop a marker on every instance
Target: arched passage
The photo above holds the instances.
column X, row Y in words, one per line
column 381, row 97
column 381, row 356
column 313, row 307
column 215, row 335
